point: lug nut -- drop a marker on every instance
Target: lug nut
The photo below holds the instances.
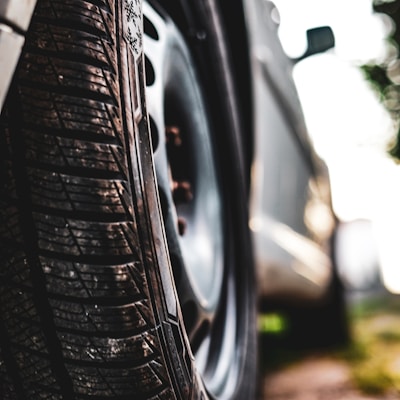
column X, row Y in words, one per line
column 182, row 226
column 173, row 135
column 182, row 191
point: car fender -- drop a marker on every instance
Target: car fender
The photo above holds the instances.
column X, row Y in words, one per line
column 15, row 16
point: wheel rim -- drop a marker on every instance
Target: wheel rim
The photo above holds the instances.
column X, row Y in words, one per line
column 192, row 202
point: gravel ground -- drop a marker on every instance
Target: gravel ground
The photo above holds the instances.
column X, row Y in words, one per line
column 313, row 378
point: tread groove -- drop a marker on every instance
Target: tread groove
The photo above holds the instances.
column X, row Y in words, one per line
column 85, row 216
column 90, row 259
column 77, row 134
column 78, row 25
column 35, row 271
column 79, row 171
column 74, row 56
column 105, row 365
column 12, row 367
column 94, row 301
column 77, row 92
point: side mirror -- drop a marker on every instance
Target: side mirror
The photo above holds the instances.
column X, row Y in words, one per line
column 318, row 40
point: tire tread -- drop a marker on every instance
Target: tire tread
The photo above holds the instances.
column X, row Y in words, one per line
column 74, row 300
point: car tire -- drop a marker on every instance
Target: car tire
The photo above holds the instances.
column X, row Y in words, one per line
column 104, row 222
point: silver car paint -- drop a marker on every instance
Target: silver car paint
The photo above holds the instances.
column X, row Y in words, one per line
column 15, row 16
column 288, row 203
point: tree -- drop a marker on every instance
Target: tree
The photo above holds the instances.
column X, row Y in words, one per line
column 385, row 76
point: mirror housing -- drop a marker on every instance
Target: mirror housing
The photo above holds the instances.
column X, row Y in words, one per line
column 319, row 39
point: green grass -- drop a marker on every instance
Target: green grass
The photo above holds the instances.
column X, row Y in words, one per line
column 374, row 354
column 275, row 350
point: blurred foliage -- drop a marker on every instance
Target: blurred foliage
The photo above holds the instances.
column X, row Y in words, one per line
column 374, row 354
column 382, row 77
column 376, row 74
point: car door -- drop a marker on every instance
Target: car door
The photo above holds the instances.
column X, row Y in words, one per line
column 290, row 217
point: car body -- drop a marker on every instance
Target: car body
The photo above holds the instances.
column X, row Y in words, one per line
column 291, row 214
column 286, row 197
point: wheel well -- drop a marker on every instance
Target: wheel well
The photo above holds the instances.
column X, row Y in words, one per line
column 237, row 37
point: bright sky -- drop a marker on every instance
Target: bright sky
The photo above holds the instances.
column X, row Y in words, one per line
column 349, row 127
